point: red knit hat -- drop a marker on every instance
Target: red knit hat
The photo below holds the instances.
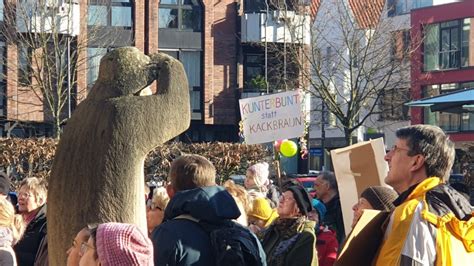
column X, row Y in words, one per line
column 121, row 244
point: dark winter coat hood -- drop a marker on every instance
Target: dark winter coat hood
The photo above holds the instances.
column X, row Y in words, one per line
column 212, row 204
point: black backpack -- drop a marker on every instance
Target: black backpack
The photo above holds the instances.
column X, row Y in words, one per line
column 232, row 243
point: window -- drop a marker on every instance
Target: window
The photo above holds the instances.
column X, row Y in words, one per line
column 115, row 13
column 392, row 104
column 2, row 7
column 280, row 75
column 448, row 121
column 24, row 65
column 449, row 45
column 330, row 118
column 180, row 31
column 446, row 45
column 431, row 43
column 354, row 53
column 3, row 52
column 183, row 15
column 400, row 44
column 260, row 5
column 467, row 59
column 191, row 61
column 254, row 73
column 400, row 7
column 93, row 62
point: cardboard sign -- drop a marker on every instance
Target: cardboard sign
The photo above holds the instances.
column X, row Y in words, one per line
column 357, row 167
column 272, row 117
column 363, row 242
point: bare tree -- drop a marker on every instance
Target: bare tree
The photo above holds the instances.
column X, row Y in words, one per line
column 357, row 66
column 50, row 52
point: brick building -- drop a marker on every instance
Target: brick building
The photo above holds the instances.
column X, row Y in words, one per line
column 203, row 35
column 443, row 63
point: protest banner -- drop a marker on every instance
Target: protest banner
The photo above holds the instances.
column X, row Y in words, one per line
column 272, row 117
column 357, row 167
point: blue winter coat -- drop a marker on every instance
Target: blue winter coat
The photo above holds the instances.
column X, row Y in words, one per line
column 184, row 242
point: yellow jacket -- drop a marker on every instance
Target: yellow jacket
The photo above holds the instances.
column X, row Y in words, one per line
column 434, row 225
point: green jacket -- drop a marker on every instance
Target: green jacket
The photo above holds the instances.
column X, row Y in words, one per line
column 290, row 242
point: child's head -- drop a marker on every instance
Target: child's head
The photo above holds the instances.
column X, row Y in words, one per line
column 257, row 176
column 261, row 214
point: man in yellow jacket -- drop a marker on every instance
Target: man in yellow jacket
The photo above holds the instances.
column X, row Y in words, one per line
column 432, row 223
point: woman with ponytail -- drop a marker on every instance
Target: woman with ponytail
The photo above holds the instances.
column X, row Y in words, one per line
column 11, row 229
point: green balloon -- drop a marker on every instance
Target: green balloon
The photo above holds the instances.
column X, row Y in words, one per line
column 288, row 148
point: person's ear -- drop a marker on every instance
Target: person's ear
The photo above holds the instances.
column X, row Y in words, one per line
column 296, row 210
column 326, row 184
column 170, row 190
column 417, row 162
column 40, row 201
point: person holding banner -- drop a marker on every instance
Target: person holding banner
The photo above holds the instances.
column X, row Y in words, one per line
column 432, row 224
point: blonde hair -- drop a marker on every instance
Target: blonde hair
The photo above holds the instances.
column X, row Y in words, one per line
column 9, row 219
column 239, row 193
column 38, row 187
column 191, row 171
column 160, row 197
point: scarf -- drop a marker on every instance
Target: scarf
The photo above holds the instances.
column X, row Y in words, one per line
column 289, row 230
column 28, row 217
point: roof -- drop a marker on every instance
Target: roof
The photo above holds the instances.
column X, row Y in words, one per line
column 315, row 4
column 367, row 12
column 460, row 101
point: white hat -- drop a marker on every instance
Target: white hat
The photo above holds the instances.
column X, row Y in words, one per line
column 261, row 172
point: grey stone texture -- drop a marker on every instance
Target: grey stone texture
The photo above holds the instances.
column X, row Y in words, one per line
column 97, row 174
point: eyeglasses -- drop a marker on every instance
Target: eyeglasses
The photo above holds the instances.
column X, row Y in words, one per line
column 84, row 247
column 319, row 183
column 282, row 197
column 24, row 195
column 395, row 148
column 150, row 205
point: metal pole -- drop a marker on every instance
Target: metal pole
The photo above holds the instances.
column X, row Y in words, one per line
column 266, row 48
column 323, row 134
column 68, row 77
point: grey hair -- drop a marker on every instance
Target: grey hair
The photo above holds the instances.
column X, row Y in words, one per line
column 435, row 146
column 330, row 178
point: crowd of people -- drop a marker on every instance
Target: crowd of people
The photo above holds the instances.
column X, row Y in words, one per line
column 428, row 221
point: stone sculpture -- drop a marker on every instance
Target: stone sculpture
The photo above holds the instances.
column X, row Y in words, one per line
column 97, row 174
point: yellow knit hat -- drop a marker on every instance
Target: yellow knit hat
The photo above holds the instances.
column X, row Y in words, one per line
column 261, row 210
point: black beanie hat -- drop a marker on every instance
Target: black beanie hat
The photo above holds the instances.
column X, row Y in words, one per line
column 381, row 198
column 303, row 200
column 4, row 184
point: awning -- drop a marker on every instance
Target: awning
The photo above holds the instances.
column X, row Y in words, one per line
column 461, row 101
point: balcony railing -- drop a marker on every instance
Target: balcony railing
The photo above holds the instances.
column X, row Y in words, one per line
column 276, row 26
column 48, row 16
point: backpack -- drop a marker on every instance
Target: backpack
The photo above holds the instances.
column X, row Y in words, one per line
column 232, row 243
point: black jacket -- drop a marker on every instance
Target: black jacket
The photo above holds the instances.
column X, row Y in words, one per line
column 184, row 242
column 333, row 218
column 28, row 245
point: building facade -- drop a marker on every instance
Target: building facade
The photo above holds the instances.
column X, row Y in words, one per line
column 203, row 35
column 444, row 63
column 399, row 45
column 350, row 37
